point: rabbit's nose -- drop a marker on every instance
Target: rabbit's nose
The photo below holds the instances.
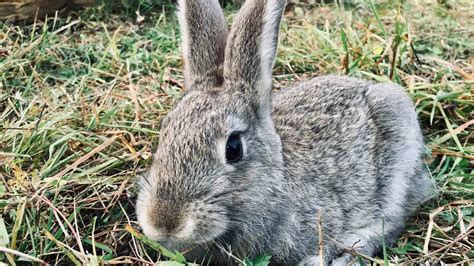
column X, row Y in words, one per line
column 167, row 224
column 167, row 217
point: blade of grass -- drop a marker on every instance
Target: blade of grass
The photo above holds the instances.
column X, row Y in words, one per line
column 379, row 22
column 175, row 256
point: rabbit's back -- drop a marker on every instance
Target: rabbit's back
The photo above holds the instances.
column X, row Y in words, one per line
column 352, row 148
column 326, row 125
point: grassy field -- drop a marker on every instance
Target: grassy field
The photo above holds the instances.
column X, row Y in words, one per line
column 81, row 98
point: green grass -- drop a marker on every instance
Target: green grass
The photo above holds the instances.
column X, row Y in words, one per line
column 81, row 99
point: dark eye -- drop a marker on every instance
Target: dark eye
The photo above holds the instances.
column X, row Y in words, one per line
column 233, row 148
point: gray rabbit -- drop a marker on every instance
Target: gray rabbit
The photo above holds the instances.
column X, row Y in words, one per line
column 241, row 171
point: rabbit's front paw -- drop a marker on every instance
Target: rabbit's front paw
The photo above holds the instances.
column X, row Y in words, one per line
column 310, row 261
column 343, row 260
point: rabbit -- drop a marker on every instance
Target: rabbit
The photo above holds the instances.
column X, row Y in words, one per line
column 241, row 171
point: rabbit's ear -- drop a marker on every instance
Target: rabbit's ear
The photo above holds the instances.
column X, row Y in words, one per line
column 251, row 47
column 203, row 33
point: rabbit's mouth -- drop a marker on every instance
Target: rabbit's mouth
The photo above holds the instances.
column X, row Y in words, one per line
column 191, row 232
column 197, row 223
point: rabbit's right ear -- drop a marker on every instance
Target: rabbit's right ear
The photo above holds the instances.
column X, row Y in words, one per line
column 203, row 33
column 251, row 51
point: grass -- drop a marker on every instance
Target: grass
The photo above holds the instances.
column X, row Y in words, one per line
column 81, row 99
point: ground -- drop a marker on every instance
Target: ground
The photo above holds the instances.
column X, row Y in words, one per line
column 82, row 96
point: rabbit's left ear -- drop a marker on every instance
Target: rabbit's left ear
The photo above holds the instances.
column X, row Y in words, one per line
column 251, row 49
column 203, row 33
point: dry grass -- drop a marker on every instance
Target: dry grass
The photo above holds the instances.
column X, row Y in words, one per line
column 81, row 99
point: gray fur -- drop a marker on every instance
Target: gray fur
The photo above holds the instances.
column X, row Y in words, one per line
column 348, row 148
column 203, row 26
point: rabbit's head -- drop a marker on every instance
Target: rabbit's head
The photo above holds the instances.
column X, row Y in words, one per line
column 218, row 167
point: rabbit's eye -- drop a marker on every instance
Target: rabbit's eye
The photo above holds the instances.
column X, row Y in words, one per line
column 233, row 148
